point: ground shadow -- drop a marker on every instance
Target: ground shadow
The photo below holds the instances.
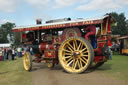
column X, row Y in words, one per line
column 58, row 67
column 105, row 67
column 3, row 72
column 38, row 66
column 101, row 68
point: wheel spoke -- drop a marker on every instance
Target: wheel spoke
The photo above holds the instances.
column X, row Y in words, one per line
column 84, row 58
column 67, row 51
column 83, row 61
column 79, row 46
column 69, row 59
column 74, row 46
column 78, row 64
column 70, row 46
column 85, row 52
column 69, row 62
column 83, row 49
column 75, row 64
column 85, row 55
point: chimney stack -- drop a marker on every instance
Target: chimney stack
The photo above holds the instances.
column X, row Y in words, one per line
column 38, row 21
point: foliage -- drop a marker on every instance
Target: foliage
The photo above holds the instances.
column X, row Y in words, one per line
column 17, row 37
column 6, row 34
column 122, row 24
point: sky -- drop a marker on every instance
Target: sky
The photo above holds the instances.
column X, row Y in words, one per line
column 25, row 12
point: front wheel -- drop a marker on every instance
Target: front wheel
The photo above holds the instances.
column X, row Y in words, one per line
column 75, row 54
column 27, row 61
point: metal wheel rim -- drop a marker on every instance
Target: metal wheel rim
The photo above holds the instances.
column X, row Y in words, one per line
column 26, row 61
column 67, row 52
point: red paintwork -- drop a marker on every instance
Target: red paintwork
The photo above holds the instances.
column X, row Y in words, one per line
column 102, row 40
column 24, row 36
column 109, row 32
column 45, row 46
column 51, row 50
column 49, row 54
column 98, row 58
column 70, row 32
column 37, row 55
column 38, row 59
column 56, row 39
column 59, row 26
column 98, row 51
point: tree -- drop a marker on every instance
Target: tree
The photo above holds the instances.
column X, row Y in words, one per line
column 17, row 39
column 121, row 28
column 6, row 34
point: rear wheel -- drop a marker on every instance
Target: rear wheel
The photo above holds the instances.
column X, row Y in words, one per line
column 27, row 61
column 75, row 54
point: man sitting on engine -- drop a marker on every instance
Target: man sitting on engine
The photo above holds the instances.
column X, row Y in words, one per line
column 91, row 31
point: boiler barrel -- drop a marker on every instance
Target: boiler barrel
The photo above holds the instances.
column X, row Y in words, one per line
column 38, row 49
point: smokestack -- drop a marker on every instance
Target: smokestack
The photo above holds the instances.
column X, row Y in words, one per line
column 39, row 21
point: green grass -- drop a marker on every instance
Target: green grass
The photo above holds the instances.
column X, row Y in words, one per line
column 117, row 67
column 13, row 73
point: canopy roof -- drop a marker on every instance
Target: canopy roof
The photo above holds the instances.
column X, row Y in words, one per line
column 5, row 45
column 78, row 22
column 123, row 37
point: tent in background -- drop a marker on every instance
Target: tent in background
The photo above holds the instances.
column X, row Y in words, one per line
column 5, row 45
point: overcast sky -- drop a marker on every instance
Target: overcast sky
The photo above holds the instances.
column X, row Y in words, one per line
column 25, row 12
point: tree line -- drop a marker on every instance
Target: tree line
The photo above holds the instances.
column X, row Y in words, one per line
column 7, row 36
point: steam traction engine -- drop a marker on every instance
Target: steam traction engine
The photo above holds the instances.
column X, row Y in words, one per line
column 76, row 44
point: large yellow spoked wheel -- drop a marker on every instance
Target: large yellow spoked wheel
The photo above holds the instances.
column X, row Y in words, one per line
column 75, row 54
column 27, row 61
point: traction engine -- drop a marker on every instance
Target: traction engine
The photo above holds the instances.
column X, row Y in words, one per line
column 76, row 44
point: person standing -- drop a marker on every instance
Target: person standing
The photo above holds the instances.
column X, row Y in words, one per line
column 13, row 54
column 5, row 54
column 0, row 54
column 121, row 46
column 10, row 54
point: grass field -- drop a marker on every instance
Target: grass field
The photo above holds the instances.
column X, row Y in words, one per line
column 117, row 67
column 12, row 73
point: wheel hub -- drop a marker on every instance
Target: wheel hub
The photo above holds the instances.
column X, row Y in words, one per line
column 76, row 54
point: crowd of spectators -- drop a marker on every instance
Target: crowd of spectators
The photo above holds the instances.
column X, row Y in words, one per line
column 9, row 53
column 117, row 47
